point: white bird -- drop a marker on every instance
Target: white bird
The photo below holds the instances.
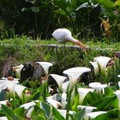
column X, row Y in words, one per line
column 63, row 35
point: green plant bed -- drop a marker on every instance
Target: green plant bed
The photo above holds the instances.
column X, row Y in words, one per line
column 22, row 50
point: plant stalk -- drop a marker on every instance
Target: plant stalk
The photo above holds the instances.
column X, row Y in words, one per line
column 68, row 104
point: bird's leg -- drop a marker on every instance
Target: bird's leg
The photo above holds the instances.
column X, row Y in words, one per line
column 63, row 49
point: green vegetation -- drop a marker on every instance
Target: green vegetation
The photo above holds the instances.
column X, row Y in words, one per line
column 26, row 28
column 38, row 18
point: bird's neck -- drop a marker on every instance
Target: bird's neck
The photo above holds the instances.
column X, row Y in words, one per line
column 77, row 42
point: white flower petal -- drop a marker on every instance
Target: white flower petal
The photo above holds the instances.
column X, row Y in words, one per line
column 93, row 115
column 59, row 79
column 10, row 86
column 28, row 105
column 28, row 114
column 19, row 89
column 117, row 93
column 74, row 73
column 65, row 86
column 102, row 61
column 3, row 118
column 98, row 86
column 118, row 76
column 17, row 70
column 2, row 87
column 45, row 66
column 4, row 102
column 88, row 109
column 83, row 92
column 54, row 103
column 63, row 112
column 64, row 99
column 96, row 67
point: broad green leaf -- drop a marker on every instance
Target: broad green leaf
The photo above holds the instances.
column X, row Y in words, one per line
column 10, row 113
column 35, row 96
column 72, row 117
column 117, row 3
column 38, row 113
column 38, row 117
column 56, row 114
column 46, row 108
column 105, row 102
column 20, row 112
column 106, row 3
column 101, row 117
column 80, row 115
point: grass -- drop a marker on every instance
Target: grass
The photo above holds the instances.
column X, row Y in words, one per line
column 28, row 41
column 25, row 49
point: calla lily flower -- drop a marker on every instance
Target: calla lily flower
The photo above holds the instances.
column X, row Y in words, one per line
column 93, row 115
column 54, row 103
column 64, row 100
column 18, row 69
column 119, row 84
column 102, row 61
column 19, row 89
column 83, row 92
column 118, row 76
column 65, row 86
column 54, row 97
column 3, row 118
column 59, row 79
column 13, row 88
column 117, row 93
column 2, row 87
column 98, row 86
column 4, row 102
column 3, row 80
column 63, row 112
column 29, row 113
column 28, row 105
column 10, row 85
column 95, row 67
column 119, row 81
column 45, row 66
column 75, row 73
column 88, row 109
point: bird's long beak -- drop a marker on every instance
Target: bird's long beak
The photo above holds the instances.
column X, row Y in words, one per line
column 81, row 45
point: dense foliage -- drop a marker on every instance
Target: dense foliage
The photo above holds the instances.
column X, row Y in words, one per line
column 38, row 18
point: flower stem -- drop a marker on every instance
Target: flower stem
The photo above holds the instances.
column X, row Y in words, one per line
column 119, row 114
column 68, row 104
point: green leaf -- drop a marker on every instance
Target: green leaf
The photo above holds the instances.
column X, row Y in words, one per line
column 20, row 112
column 38, row 117
column 80, row 115
column 117, row 3
column 38, row 113
column 101, row 117
column 106, row 3
column 57, row 114
column 46, row 108
column 10, row 113
column 105, row 102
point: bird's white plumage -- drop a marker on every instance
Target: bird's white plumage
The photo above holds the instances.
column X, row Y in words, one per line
column 62, row 35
